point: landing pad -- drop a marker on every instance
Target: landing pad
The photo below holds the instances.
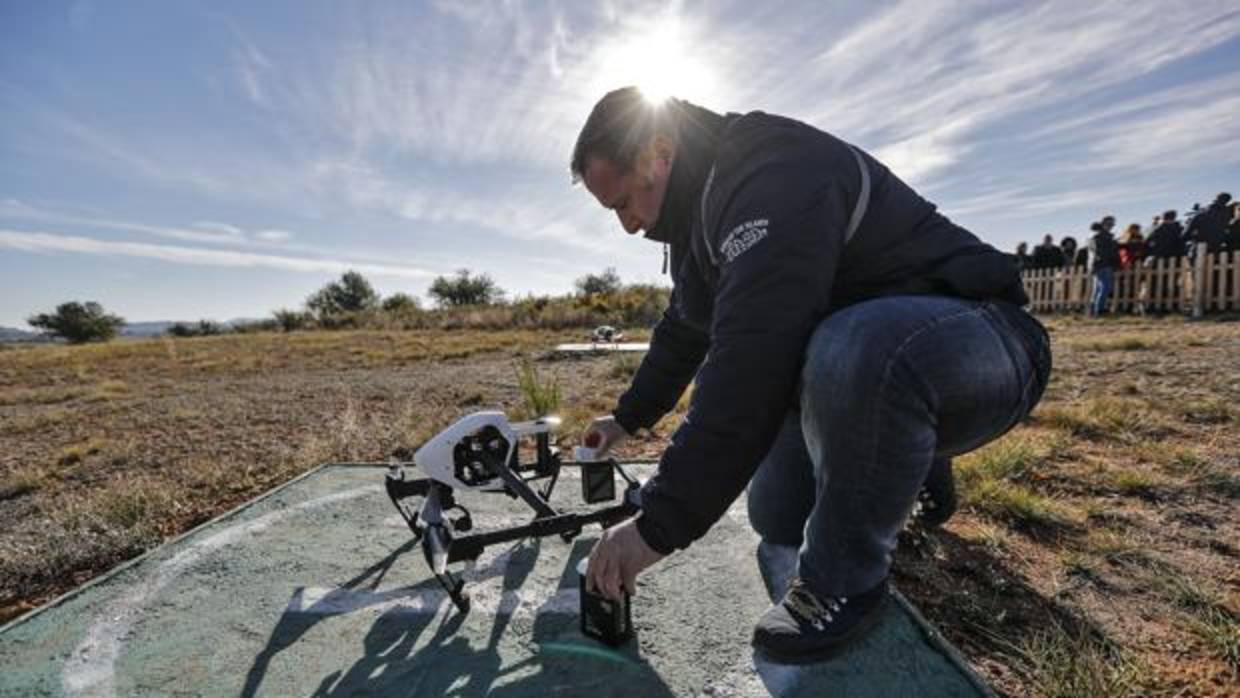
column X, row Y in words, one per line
column 315, row 589
column 602, row 347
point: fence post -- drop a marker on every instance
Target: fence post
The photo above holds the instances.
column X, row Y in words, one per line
column 1199, row 280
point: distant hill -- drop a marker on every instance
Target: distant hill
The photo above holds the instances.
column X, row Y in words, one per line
column 146, row 329
column 158, row 327
column 12, row 334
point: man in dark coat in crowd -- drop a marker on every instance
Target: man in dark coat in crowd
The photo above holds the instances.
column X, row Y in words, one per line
column 1210, row 225
column 1104, row 250
column 1233, row 229
column 1167, row 239
column 1048, row 255
column 845, row 340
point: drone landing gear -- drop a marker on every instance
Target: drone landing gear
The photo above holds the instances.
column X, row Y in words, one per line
column 441, row 547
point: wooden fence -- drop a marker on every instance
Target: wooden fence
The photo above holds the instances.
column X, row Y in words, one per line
column 1208, row 282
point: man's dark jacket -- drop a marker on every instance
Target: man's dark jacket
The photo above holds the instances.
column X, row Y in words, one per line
column 1049, row 257
column 1166, row 240
column 1209, row 226
column 755, row 213
column 1105, row 251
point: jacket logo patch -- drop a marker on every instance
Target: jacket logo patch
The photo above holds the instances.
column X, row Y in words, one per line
column 741, row 238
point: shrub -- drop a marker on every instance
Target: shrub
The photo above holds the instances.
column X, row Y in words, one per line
column 351, row 294
column 592, row 284
column 465, row 289
column 79, row 322
column 291, row 320
column 400, row 302
column 203, row 328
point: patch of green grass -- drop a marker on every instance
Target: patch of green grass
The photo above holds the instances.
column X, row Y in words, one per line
column 25, row 423
column 1207, row 411
column 1013, row 504
column 1186, row 592
column 1133, row 483
column 24, row 482
column 48, row 395
column 1078, row 564
column 1122, row 343
column 1106, row 417
column 133, row 504
column 1219, row 629
column 1067, row 665
column 72, row 455
column 1179, row 460
column 990, row 481
column 541, row 394
column 1113, row 546
column 1218, row 482
column 624, row 366
column 1010, row 458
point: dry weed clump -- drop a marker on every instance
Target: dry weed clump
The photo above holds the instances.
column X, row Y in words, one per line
column 1067, row 664
column 992, row 481
column 1107, row 418
column 1122, row 343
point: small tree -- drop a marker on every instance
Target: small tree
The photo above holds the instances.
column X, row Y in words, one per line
column 464, row 289
column 591, row 284
column 400, row 302
column 204, row 328
column 292, row 320
column 350, row 294
column 79, row 322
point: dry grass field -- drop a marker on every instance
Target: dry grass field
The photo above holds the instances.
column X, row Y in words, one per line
column 1095, row 552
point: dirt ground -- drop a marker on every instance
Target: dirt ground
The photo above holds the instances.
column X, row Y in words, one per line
column 1095, row 552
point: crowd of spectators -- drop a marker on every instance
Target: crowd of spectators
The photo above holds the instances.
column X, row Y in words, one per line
column 1216, row 225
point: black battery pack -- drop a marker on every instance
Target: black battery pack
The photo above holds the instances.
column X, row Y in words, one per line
column 598, row 482
column 609, row 622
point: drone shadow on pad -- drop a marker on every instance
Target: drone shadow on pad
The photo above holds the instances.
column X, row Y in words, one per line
column 549, row 652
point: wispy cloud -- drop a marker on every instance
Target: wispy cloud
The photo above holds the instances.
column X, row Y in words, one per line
column 274, row 235
column 52, row 242
column 207, row 232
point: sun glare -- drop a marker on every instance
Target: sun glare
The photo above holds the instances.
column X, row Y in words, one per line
column 657, row 62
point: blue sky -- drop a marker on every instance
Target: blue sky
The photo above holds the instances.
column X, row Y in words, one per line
column 224, row 159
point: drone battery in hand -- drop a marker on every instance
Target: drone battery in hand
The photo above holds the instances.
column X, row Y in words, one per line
column 605, row 620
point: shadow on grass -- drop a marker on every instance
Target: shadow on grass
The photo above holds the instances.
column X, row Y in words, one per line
column 991, row 612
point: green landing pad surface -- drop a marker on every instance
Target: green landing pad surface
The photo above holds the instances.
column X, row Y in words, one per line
column 317, row 590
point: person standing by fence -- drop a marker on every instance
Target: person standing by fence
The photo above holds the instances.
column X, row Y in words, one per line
column 1210, row 226
column 1233, row 229
column 1048, row 255
column 1131, row 247
column 1104, row 251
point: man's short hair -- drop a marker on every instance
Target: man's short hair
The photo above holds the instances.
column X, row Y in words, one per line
column 622, row 123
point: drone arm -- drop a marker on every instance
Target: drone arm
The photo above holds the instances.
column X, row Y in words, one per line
column 470, row 547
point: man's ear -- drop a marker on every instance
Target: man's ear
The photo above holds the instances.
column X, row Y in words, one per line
column 664, row 149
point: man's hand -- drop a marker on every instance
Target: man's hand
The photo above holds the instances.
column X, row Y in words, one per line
column 618, row 557
column 603, row 434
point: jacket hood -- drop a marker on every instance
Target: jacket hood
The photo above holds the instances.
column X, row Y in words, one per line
column 697, row 139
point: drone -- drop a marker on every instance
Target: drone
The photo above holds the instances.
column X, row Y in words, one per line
column 605, row 334
column 480, row 453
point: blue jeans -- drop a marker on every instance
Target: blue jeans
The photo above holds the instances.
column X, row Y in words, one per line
column 888, row 386
column 1104, row 281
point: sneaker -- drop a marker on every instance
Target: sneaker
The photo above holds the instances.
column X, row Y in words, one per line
column 806, row 627
column 937, row 500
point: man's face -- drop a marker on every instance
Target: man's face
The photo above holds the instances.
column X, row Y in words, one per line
column 635, row 196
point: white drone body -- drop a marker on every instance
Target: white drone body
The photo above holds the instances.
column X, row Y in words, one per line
column 480, row 453
column 457, row 456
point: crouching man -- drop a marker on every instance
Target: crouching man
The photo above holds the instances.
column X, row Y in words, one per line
column 847, row 340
